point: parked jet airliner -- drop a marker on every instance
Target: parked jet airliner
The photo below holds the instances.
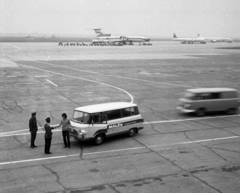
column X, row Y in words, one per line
column 190, row 40
column 218, row 39
column 203, row 40
column 125, row 40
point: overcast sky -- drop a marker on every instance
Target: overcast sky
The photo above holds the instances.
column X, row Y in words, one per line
column 122, row 17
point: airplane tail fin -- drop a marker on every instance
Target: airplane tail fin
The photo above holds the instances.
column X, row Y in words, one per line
column 174, row 35
column 98, row 31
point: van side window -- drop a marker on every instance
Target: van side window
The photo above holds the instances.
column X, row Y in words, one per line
column 99, row 118
column 128, row 112
column 114, row 114
column 136, row 110
column 207, row 96
column 215, row 96
column 229, row 95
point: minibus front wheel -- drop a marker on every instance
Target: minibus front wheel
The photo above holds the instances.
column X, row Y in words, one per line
column 99, row 139
column 201, row 112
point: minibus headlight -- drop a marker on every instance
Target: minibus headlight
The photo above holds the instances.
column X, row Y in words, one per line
column 83, row 132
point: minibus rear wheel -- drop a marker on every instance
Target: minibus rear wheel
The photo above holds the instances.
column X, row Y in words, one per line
column 132, row 132
column 231, row 111
column 99, row 139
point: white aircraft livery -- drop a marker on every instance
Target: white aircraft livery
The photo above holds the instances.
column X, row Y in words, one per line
column 120, row 40
column 198, row 39
column 218, row 39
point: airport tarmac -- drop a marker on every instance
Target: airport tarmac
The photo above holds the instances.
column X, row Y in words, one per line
column 173, row 153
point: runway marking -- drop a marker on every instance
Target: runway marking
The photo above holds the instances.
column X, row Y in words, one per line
column 155, row 73
column 18, row 48
column 13, row 131
column 51, row 82
column 8, row 61
column 9, row 134
column 41, row 76
column 193, row 119
column 74, row 77
column 6, row 134
column 47, row 58
column 116, row 150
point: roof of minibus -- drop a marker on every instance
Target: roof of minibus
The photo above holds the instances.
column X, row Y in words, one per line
column 202, row 90
column 105, row 107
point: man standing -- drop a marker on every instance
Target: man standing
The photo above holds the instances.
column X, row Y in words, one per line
column 65, row 132
column 48, row 135
column 33, row 128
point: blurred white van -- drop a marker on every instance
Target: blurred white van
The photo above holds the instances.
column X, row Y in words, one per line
column 99, row 121
column 203, row 100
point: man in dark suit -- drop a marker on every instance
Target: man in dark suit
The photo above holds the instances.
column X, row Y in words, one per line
column 48, row 135
column 33, row 128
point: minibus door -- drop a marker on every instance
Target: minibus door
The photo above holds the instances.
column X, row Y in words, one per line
column 98, row 123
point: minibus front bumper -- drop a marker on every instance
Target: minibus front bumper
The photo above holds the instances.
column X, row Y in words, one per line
column 76, row 134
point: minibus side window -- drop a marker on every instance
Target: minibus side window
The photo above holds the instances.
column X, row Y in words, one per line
column 114, row 114
column 215, row 96
column 136, row 111
column 98, row 119
column 128, row 112
column 203, row 96
column 229, row 95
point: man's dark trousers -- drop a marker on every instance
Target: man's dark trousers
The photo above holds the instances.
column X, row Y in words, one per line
column 47, row 144
column 66, row 138
column 33, row 137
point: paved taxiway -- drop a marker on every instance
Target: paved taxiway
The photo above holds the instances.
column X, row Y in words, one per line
column 174, row 153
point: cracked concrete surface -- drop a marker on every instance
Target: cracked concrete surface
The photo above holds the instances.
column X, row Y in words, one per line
column 204, row 167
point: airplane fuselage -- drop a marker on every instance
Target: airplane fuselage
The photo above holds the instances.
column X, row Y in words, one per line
column 109, row 40
column 136, row 39
column 191, row 40
column 221, row 39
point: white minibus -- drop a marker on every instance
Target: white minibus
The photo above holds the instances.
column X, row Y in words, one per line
column 99, row 121
column 203, row 100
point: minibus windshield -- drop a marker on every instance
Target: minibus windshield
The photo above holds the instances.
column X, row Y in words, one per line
column 189, row 95
column 81, row 117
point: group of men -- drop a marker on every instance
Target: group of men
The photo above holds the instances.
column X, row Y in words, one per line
column 33, row 128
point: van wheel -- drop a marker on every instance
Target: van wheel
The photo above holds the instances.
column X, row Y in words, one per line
column 132, row 132
column 99, row 139
column 231, row 111
column 200, row 112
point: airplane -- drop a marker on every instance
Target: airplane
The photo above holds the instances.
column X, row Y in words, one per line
column 218, row 39
column 29, row 37
column 109, row 40
column 126, row 40
column 139, row 39
column 198, row 39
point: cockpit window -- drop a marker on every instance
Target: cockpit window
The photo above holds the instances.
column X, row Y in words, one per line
column 81, row 117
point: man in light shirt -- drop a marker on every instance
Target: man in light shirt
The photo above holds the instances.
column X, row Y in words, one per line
column 65, row 132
